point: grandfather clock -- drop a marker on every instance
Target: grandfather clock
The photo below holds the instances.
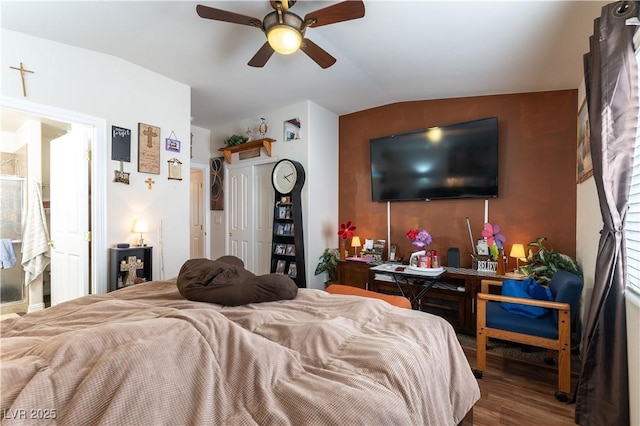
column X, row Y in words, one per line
column 287, row 247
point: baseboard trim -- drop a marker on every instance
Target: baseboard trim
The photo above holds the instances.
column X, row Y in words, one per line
column 35, row 307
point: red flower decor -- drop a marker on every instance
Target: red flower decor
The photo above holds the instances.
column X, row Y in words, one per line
column 346, row 230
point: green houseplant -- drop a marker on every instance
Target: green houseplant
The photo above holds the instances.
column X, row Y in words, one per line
column 544, row 262
column 329, row 264
column 235, row 140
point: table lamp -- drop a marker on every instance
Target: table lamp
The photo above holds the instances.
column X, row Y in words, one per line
column 355, row 242
column 517, row 251
column 141, row 227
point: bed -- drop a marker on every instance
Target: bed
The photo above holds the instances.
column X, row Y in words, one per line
column 146, row 355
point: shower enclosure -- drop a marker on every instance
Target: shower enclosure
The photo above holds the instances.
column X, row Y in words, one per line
column 12, row 208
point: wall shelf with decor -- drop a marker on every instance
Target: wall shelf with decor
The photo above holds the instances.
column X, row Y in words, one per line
column 258, row 143
column 128, row 266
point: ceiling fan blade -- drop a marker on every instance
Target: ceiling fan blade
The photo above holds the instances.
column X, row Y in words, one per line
column 262, row 56
column 317, row 53
column 226, row 16
column 345, row 11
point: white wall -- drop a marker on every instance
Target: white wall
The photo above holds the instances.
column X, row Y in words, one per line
column 201, row 145
column 317, row 151
column 124, row 95
column 323, row 204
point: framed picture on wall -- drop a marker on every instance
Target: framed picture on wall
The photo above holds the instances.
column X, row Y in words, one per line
column 217, row 183
column 584, row 168
column 148, row 149
column 292, row 129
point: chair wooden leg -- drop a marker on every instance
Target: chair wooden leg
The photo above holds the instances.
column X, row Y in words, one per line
column 564, row 353
column 481, row 339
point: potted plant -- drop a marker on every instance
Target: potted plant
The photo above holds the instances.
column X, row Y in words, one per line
column 235, row 140
column 329, row 264
column 544, row 262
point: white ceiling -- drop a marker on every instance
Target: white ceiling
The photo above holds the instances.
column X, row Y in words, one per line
column 399, row 51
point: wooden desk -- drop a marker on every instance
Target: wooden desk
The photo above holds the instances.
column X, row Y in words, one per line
column 453, row 297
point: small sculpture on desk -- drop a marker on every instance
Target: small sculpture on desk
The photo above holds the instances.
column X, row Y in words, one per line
column 130, row 267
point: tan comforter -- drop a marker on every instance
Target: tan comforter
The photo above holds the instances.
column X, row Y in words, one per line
column 146, row 356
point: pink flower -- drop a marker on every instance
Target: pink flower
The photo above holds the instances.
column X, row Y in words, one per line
column 493, row 235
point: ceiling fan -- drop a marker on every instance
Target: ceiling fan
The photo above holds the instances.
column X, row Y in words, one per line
column 285, row 30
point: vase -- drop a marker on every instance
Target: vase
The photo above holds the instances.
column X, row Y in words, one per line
column 500, row 267
column 343, row 249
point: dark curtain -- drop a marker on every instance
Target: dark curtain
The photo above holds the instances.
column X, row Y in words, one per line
column 611, row 78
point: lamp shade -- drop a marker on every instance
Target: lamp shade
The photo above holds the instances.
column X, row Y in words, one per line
column 284, row 31
column 284, row 39
column 140, row 226
column 517, row 251
column 355, row 242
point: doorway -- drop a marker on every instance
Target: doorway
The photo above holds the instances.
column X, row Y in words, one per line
column 196, row 214
column 200, row 221
column 95, row 187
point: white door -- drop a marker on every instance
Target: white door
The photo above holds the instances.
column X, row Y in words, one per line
column 197, row 214
column 240, row 219
column 263, row 214
column 70, row 211
column 250, row 215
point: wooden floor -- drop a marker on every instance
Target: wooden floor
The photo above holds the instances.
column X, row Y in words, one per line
column 518, row 393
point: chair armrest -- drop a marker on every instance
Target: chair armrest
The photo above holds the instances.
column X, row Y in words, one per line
column 532, row 302
column 484, row 285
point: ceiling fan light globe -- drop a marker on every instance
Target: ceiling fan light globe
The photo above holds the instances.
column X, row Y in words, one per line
column 284, row 39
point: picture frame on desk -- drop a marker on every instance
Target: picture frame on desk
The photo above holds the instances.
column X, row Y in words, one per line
column 280, row 266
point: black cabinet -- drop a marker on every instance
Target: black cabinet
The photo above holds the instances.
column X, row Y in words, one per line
column 128, row 266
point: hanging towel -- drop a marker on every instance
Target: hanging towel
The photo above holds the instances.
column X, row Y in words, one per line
column 7, row 254
column 35, row 238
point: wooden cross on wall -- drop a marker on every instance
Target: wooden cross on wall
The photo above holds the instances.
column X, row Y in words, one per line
column 149, row 182
column 23, row 70
column 150, row 134
column 130, row 267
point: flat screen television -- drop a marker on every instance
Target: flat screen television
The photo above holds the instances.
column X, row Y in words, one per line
column 455, row 161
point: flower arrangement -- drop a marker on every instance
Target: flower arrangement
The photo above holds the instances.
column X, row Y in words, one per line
column 419, row 238
column 346, row 230
column 494, row 238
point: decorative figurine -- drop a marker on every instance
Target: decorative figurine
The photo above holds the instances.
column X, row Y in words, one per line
column 263, row 127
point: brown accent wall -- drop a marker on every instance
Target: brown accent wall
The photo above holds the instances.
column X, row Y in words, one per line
column 537, row 172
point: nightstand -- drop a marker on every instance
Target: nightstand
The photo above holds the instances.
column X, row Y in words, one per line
column 129, row 265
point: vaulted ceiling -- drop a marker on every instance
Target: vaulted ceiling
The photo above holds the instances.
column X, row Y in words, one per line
column 399, row 51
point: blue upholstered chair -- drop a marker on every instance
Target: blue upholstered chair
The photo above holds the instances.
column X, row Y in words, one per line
column 552, row 331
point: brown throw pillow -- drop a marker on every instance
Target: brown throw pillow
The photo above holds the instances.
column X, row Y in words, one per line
column 224, row 281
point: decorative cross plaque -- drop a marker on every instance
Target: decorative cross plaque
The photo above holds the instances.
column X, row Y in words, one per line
column 23, row 70
column 149, row 182
column 130, row 267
